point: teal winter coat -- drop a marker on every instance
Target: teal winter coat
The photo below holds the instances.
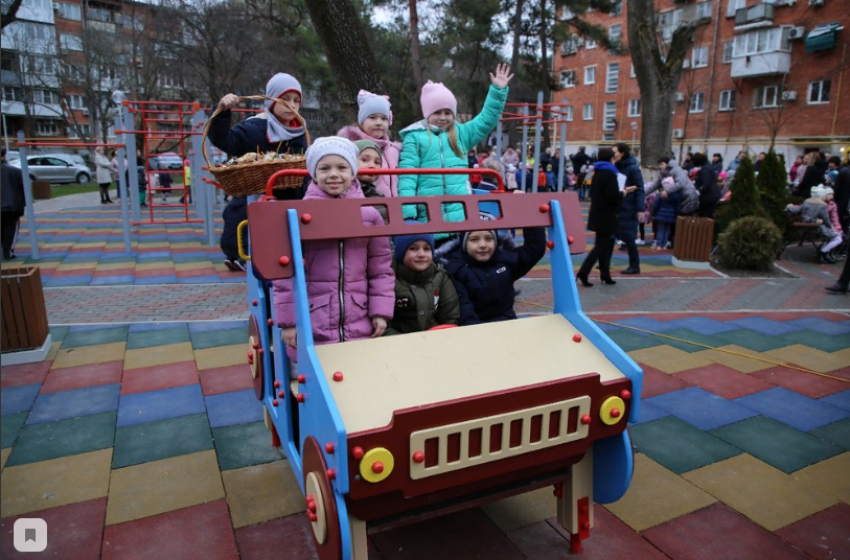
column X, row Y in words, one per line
column 424, row 148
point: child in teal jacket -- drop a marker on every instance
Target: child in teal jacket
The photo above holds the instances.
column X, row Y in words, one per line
column 438, row 141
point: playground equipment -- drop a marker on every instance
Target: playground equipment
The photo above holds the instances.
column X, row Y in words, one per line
column 394, row 430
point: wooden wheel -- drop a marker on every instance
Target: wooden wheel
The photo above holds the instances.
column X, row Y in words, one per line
column 321, row 503
column 255, row 356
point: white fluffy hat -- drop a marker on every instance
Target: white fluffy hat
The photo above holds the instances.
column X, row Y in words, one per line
column 331, row 145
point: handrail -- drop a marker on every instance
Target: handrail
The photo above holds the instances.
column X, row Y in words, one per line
column 72, row 144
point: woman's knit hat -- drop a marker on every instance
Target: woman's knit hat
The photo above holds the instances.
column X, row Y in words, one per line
column 821, row 191
column 331, row 145
column 369, row 144
column 403, row 242
column 275, row 88
column 436, row 96
column 372, row 104
column 667, row 182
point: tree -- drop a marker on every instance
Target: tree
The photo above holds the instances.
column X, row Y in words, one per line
column 10, row 13
column 745, row 199
column 414, row 47
column 658, row 68
column 773, row 188
column 347, row 50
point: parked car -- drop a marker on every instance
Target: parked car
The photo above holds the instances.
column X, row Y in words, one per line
column 57, row 168
column 167, row 160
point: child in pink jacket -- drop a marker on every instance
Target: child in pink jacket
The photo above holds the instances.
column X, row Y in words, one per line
column 350, row 283
column 374, row 119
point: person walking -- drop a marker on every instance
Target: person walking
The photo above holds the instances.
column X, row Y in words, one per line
column 605, row 201
column 14, row 202
column 632, row 207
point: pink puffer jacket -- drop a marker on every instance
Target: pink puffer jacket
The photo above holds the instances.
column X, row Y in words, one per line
column 387, row 185
column 345, row 291
column 833, row 217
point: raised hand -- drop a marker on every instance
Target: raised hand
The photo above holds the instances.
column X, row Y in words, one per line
column 502, row 77
column 229, row 101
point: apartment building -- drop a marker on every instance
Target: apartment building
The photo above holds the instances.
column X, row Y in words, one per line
column 756, row 70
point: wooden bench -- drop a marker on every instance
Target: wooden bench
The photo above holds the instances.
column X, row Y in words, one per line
column 799, row 232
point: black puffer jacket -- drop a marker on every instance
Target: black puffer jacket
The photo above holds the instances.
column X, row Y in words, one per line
column 234, row 214
column 706, row 183
column 12, row 189
column 486, row 290
column 633, row 202
column 814, row 176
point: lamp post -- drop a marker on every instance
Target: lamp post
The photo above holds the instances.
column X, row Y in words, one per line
column 5, row 107
column 634, row 132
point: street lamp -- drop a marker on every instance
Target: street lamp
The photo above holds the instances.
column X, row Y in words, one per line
column 3, row 109
column 634, row 132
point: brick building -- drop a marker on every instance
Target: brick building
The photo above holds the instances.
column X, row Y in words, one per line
column 755, row 71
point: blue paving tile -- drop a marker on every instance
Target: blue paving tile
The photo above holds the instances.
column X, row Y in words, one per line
column 161, row 404
column 236, row 280
column 106, row 280
column 765, row 326
column 144, row 327
column 199, row 280
column 83, row 255
column 84, row 280
column 840, row 400
column 84, row 328
column 122, row 255
column 186, row 256
column 793, row 408
column 699, row 407
column 239, row 407
column 704, row 325
column 172, row 279
column 206, row 326
column 649, row 413
column 646, row 323
column 154, row 254
column 821, row 325
column 607, row 328
column 18, row 399
column 73, row 403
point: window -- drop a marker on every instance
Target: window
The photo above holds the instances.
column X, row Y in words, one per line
column 632, row 72
column 608, row 137
column 819, row 92
column 568, row 78
column 668, row 22
column 42, row 96
column 634, row 107
column 170, row 81
column 609, row 115
column 728, row 49
column 614, row 34
column 697, row 103
column 616, row 7
column 566, row 14
column 699, row 57
column 73, row 73
column 727, row 100
column 34, row 32
column 47, row 128
column 68, row 11
column 570, row 46
column 70, row 42
column 734, row 6
column 98, row 14
column 76, row 101
column 766, row 97
column 36, row 64
column 703, row 10
column 761, row 41
column 590, row 43
column 569, row 113
column 587, row 112
column 12, row 94
column 612, row 77
column 589, row 75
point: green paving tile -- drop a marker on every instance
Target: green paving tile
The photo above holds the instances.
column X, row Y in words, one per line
column 752, row 340
column 244, row 445
column 179, row 259
column 678, row 445
column 117, row 260
column 689, row 335
column 814, row 339
column 777, row 444
column 152, row 441
column 98, row 336
column 10, row 426
column 57, row 334
column 149, row 339
column 630, row 341
column 224, row 337
column 157, row 259
column 837, row 433
column 51, row 440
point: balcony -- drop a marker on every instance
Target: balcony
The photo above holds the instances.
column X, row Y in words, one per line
column 761, row 64
column 754, row 16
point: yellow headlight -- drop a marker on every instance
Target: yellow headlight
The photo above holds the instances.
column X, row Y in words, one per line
column 612, row 410
column 377, row 464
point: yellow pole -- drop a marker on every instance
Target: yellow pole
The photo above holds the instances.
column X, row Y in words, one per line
column 838, row 93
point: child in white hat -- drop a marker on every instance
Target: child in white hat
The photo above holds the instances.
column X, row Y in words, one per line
column 816, row 210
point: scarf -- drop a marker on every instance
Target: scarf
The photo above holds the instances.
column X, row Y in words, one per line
column 276, row 131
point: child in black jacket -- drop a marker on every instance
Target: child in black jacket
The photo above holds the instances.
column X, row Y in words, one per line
column 234, row 213
column 485, row 265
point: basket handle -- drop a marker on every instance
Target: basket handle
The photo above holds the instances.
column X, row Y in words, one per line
column 219, row 109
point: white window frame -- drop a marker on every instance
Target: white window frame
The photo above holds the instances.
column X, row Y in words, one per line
column 632, row 72
column 75, row 101
column 607, row 136
column 697, row 102
column 609, row 115
column 634, row 107
column 734, row 6
column 820, row 95
column 67, row 10
column 612, row 77
column 589, row 75
column 760, row 97
column 699, row 57
column 47, row 128
column 705, row 8
column 616, row 8
column 565, row 82
column 71, row 42
column 615, row 38
column 11, row 93
column 727, row 100
column 569, row 113
column 760, row 41
column 668, row 22
column 587, row 112
column 570, row 46
column 590, row 43
column 728, row 51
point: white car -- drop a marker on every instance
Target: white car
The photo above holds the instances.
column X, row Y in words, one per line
column 57, row 168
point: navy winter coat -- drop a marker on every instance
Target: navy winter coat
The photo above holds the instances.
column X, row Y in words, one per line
column 486, row 290
column 706, row 183
column 12, row 189
column 250, row 136
column 234, row 213
column 632, row 202
column 666, row 210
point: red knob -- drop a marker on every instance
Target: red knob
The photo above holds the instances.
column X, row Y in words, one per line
column 558, row 492
column 270, row 322
column 550, row 244
column 570, row 239
column 250, row 357
column 311, row 506
column 302, row 379
column 260, row 352
column 254, row 303
column 256, row 345
column 544, row 208
column 274, row 402
column 576, row 338
column 280, row 394
column 306, row 218
column 329, row 448
column 377, row 467
column 586, row 419
column 625, row 395
column 276, row 384
column 312, row 516
column 418, row 457
column 300, row 397
column 283, row 261
column 357, row 453
column 615, row 413
column 331, row 474
column 338, row 376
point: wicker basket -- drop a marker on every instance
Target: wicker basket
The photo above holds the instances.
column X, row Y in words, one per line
column 250, row 178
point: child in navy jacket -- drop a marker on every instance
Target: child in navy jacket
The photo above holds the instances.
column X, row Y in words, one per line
column 664, row 213
column 485, row 264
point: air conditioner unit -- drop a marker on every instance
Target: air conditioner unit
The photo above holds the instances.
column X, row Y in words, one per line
column 789, row 95
column 680, row 97
column 686, row 63
column 678, row 133
column 85, row 112
column 815, row 2
column 797, row 32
